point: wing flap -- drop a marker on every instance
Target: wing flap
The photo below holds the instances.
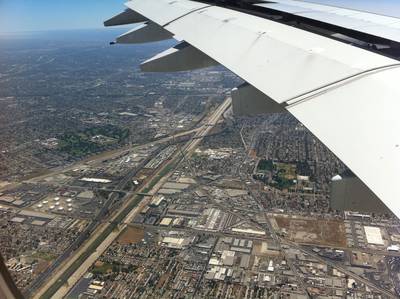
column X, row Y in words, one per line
column 369, row 23
column 182, row 57
column 144, row 33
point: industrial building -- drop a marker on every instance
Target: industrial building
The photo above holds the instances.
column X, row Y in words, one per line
column 373, row 235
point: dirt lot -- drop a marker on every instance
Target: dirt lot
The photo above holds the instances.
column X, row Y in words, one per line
column 41, row 266
column 131, row 235
column 311, row 231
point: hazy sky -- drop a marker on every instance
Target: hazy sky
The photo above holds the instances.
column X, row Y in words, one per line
column 38, row 15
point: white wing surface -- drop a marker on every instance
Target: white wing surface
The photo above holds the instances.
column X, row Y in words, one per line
column 346, row 96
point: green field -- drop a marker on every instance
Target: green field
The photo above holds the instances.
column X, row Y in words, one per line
column 265, row 165
column 44, row 256
column 284, row 175
column 79, row 144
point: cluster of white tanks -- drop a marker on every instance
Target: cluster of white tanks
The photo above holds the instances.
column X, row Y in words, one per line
column 55, row 204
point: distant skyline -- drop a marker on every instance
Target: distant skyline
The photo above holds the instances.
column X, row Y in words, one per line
column 43, row 15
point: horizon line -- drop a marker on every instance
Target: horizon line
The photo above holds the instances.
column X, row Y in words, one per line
column 60, row 29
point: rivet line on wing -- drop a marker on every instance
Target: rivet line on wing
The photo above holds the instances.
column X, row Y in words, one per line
column 336, row 84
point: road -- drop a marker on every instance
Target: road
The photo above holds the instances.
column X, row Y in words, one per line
column 205, row 129
column 91, row 227
column 128, row 216
column 333, row 264
column 120, row 225
column 100, row 158
column 280, row 240
column 340, row 268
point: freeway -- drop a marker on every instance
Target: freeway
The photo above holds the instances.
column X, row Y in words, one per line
column 100, row 158
column 68, row 274
column 101, row 215
column 109, row 203
column 212, row 121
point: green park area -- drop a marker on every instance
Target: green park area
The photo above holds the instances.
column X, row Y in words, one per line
column 265, row 165
column 283, row 174
column 92, row 140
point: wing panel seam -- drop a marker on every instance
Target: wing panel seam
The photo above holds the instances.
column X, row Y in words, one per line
column 186, row 14
column 336, row 84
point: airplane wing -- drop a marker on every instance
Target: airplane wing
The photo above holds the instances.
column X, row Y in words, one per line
column 376, row 25
column 335, row 70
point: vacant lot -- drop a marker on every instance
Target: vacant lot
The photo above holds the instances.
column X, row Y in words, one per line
column 311, row 231
column 131, row 235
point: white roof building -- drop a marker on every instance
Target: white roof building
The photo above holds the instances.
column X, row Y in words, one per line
column 394, row 248
column 373, row 235
column 166, row 221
